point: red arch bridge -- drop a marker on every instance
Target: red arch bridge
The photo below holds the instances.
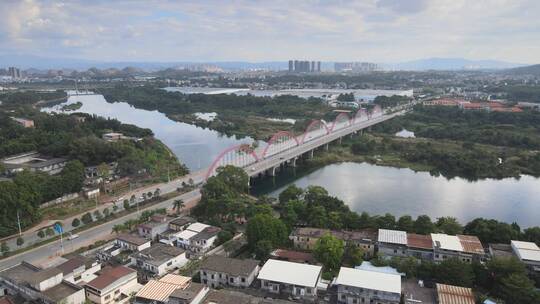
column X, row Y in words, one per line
column 285, row 148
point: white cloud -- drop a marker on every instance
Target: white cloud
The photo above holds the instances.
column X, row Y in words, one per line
column 374, row 30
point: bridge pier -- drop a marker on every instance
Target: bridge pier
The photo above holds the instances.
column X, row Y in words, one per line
column 311, row 154
column 326, row 147
column 273, row 171
column 293, row 161
column 340, row 140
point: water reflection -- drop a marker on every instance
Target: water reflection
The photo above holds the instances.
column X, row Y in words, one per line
column 379, row 190
column 196, row 147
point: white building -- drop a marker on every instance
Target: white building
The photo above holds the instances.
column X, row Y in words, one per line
column 218, row 271
column 295, row 279
column 159, row 259
column 132, row 242
column 356, row 286
column 392, row 242
column 114, row 285
column 463, row 247
column 528, row 253
column 79, row 269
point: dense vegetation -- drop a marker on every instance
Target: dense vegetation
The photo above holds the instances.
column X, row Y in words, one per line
column 239, row 115
column 451, row 142
column 80, row 142
column 29, row 97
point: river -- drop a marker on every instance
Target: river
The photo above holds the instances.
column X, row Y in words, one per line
column 363, row 187
column 378, row 190
column 194, row 146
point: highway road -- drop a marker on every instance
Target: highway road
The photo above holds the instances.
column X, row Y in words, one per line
column 51, row 250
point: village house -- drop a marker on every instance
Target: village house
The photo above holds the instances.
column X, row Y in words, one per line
column 79, row 269
column 41, row 285
column 219, row 271
column 450, row 294
column 463, row 247
column 392, row 243
column 114, row 285
column 171, row 289
column 132, row 242
column 157, row 224
column 158, row 260
column 356, row 286
column 528, row 253
column 297, row 280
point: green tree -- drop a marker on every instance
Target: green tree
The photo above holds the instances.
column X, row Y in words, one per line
column 178, row 205
column 387, row 221
column 262, row 249
column 449, row 225
column 223, row 236
column 353, row 255
column 455, row 272
column 235, row 178
column 518, row 289
column 405, row 223
column 97, row 215
column 106, row 212
column 290, row 193
column 41, row 234
column 157, row 192
column 266, row 227
column 532, row 235
column 20, row 241
column 76, row 222
column 4, row 248
column 126, row 204
column 423, row 225
column 49, row 231
column 329, row 251
column 87, row 218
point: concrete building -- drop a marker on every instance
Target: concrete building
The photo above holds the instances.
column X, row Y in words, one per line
column 204, row 240
column 292, row 279
column 34, row 162
column 420, row 246
column 158, row 260
column 79, row 269
column 449, row 294
column 157, row 224
column 392, row 243
column 14, row 72
column 227, row 296
column 305, row 238
column 218, row 271
column 293, row 256
column 463, row 247
column 114, row 285
column 40, row 285
column 356, row 286
column 132, row 242
column 528, row 253
column 171, row 289
column 181, row 223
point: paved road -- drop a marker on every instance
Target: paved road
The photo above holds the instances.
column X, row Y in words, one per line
column 102, row 232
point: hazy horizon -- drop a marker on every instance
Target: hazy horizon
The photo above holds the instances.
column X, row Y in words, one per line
column 383, row 31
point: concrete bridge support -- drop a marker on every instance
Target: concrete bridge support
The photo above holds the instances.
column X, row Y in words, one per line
column 293, row 161
column 311, row 154
column 326, row 147
column 340, row 140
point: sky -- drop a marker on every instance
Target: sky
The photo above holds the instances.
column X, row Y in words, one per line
column 211, row 30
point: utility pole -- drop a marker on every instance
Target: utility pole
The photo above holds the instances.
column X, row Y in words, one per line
column 19, row 223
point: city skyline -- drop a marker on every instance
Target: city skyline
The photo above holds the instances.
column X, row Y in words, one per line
column 374, row 31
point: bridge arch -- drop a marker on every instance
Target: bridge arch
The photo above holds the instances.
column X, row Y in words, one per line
column 284, row 138
column 342, row 117
column 240, row 155
column 311, row 127
column 360, row 114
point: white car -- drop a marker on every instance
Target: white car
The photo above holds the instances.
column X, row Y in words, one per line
column 72, row 236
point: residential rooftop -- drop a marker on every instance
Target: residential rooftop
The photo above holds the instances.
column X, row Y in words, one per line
column 188, row 293
column 132, row 239
column 197, row 227
column 392, row 237
column 206, row 233
column 419, row 241
column 528, row 251
column 290, row 273
column 233, row 267
column 61, row 291
column 160, row 290
column 369, row 280
column 159, row 253
column 110, row 275
column 449, row 294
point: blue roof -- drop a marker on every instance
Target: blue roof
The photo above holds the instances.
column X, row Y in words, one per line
column 383, row 269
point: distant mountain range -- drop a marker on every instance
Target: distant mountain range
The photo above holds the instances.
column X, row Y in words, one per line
column 44, row 63
column 450, row 64
column 526, row 70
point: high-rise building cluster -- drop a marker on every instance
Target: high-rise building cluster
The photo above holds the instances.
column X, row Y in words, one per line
column 14, row 72
column 304, row 66
column 356, row 67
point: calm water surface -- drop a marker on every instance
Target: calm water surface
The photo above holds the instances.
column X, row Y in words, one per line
column 379, row 190
column 194, row 146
